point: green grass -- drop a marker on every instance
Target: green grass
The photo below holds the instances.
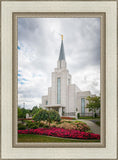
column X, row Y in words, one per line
column 41, row 138
column 79, row 122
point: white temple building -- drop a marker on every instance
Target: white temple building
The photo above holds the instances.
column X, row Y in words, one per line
column 63, row 96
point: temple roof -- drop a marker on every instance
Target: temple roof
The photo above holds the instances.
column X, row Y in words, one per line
column 62, row 54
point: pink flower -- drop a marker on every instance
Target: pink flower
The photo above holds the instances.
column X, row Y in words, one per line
column 60, row 132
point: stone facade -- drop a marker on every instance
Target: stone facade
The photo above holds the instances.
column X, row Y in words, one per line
column 64, row 96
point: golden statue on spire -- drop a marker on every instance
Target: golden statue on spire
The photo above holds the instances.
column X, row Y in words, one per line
column 61, row 36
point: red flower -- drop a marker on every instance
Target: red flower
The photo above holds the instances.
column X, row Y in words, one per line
column 60, row 132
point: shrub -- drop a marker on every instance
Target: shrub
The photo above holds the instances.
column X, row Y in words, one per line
column 95, row 115
column 77, row 125
column 45, row 126
column 78, row 115
column 32, row 125
column 41, row 124
column 53, row 116
column 42, row 115
column 53, row 125
column 67, row 125
column 82, row 126
column 21, row 126
column 59, row 122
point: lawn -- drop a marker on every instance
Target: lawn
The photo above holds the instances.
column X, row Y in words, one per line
column 41, row 138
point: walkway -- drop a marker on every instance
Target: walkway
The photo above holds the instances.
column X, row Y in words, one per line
column 94, row 127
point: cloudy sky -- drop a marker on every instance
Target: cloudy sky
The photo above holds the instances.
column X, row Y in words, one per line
column 38, row 51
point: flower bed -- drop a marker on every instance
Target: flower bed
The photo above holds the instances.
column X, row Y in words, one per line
column 60, row 132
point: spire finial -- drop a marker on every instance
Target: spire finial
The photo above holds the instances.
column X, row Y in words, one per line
column 61, row 36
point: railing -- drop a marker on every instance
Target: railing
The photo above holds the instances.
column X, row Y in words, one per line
column 86, row 114
column 81, row 114
column 89, row 114
column 69, row 114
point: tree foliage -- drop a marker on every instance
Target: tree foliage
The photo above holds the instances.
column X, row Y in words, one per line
column 22, row 112
column 42, row 115
column 93, row 103
column 19, row 112
column 35, row 110
column 49, row 116
column 39, row 114
column 53, row 116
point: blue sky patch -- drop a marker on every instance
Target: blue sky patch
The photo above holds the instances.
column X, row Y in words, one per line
column 21, row 82
column 19, row 75
column 18, row 48
column 24, row 79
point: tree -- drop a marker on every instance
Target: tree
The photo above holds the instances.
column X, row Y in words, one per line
column 42, row 115
column 35, row 109
column 49, row 116
column 93, row 103
column 22, row 112
column 19, row 112
column 53, row 116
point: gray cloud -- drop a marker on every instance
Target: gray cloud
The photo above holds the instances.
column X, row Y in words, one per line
column 40, row 42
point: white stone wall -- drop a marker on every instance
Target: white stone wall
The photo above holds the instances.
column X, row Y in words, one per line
column 81, row 95
column 61, row 64
column 71, row 98
column 64, row 74
column 53, row 90
column 76, row 97
column 44, row 99
column 70, row 94
column 49, row 95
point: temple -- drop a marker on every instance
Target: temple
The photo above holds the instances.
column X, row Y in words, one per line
column 63, row 96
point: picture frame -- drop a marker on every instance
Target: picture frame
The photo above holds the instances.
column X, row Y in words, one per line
column 107, row 11
column 15, row 82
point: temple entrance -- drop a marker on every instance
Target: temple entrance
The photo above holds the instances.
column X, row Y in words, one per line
column 56, row 109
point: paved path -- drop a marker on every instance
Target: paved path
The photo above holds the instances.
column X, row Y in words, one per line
column 94, row 127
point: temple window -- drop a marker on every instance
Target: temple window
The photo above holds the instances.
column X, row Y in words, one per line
column 58, row 90
column 82, row 105
column 46, row 102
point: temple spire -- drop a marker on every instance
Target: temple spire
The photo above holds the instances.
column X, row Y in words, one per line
column 62, row 54
column 61, row 36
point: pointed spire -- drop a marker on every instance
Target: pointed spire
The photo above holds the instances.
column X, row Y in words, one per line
column 62, row 54
column 61, row 63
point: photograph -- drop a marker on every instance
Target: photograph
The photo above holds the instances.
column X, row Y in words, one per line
column 59, row 80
